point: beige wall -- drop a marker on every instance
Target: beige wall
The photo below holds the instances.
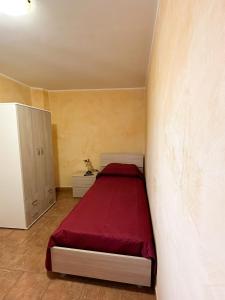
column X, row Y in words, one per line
column 87, row 123
column 39, row 98
column 13, row 91
column 186, row 149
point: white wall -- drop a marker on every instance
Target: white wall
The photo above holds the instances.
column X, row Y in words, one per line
column 185, row 157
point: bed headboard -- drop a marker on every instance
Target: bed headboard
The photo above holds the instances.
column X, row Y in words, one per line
column 123, row 158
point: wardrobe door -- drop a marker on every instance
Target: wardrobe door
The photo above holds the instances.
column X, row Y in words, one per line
column 48, row 157
column 24, row 117
column 39, row 162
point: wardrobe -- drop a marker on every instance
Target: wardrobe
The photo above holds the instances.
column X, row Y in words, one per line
column 26, row 165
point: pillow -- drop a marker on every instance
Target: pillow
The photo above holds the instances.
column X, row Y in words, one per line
column 117, row 169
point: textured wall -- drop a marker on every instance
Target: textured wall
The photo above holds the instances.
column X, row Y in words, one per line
column 186, row 149
column 39, row 98
column 87, row 123
column 13, row 91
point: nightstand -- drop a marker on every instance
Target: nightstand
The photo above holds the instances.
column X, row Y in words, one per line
column 81, row 183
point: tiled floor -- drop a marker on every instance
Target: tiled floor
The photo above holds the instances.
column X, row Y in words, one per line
column 23, row 275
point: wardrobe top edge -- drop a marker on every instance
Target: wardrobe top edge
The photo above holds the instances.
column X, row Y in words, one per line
column 25, row 105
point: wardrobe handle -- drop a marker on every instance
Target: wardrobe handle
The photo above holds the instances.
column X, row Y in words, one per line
column 35, row 202
column 38, row 151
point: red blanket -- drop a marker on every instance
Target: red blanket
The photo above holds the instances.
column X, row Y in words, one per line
column 112, row 217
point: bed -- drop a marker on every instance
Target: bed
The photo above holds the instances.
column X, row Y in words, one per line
column 108, row 235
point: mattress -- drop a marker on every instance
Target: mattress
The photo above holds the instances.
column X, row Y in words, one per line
column 113, row 216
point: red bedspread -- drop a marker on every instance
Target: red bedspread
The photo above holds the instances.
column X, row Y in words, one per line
column 112, row 217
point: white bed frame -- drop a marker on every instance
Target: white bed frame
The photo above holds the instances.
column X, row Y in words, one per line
column 101, row 265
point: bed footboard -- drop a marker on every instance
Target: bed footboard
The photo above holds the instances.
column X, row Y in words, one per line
column 101, row 265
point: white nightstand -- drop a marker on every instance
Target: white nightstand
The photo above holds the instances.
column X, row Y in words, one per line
column 81, row 183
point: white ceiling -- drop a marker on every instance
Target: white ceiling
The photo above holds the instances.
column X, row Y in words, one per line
column 79, row 44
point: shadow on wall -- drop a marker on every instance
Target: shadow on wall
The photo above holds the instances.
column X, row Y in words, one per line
column 55, row 154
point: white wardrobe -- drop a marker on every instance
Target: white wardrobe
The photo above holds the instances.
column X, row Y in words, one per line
column 26, row 165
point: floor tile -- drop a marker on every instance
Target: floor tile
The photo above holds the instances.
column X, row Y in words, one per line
column 8, row 279
column 30, row 286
